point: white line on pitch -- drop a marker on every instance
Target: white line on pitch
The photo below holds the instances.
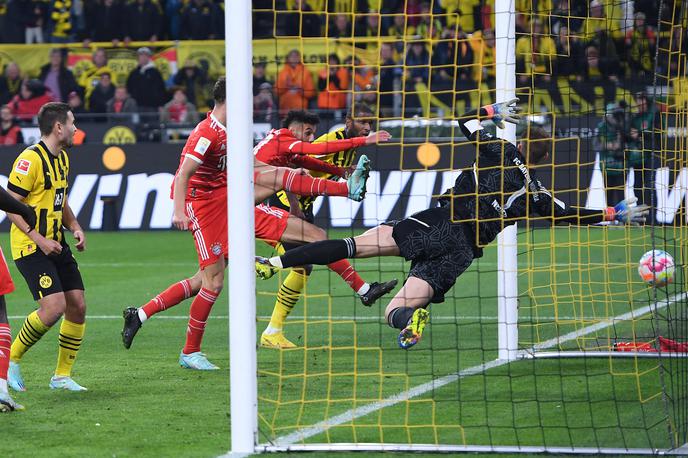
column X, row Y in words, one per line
column 352, row 414
column 435, row 318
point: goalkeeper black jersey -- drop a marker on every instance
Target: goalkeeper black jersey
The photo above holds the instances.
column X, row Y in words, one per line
column 500, row 189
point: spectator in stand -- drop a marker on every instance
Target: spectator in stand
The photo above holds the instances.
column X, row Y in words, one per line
column 413, row 10
column 369, row 25
column 32, row 96
column 417, row 63
column 61, row 22
column 595, row 22
column 122, row 103
column 534, row 55
column 76, row 104
column 465, row 12
column 194, row 80
column 12, row 22
column 179, row 110
column 104, row 91
column 33, row 19
column 145, row 83
column 640, row 42
column 483, row 44
column 429, row 27
column 295, row 87
column 10, row 83
column 143, row 21
column 390, row 76
column 568, row 53
column 452, row 61
column 259, row 77
column 10, row 132
column 300, row 20
column 199, row 21
column 333, row 84
column 264, row 103
column 105, row 21
column 600, row 71
column 340, row 27
column 57, row 77
column 90, row 77
column 365, row 83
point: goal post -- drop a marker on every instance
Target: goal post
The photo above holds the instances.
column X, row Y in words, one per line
column 242, row 290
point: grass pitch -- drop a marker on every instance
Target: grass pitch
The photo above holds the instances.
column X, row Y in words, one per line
column 141, row 403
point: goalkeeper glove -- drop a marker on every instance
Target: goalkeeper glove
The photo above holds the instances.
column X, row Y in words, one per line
column 504, row 112
column 627, row 212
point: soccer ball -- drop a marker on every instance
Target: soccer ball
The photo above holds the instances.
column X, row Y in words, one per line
column 656, row 268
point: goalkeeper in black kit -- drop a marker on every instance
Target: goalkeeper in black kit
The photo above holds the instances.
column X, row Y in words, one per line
column 441, row 242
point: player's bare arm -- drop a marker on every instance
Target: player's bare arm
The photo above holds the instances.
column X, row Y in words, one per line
column 47, row 246
column 70, row 222
column 181, row 184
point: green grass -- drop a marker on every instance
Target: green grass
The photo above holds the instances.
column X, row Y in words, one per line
column 140, row 403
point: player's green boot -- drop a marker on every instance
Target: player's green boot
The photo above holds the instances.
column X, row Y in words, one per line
column 412, row 333
column 357, row 180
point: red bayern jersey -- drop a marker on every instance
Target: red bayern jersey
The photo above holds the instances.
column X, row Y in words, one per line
column 206, row 145
column 281, row 148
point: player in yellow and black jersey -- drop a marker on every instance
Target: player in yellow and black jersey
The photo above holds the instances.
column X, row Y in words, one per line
column 358, row 124
column 39, row 177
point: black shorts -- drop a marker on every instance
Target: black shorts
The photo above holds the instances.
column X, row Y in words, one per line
column 438, row 249
column 47, row 275
column 274, row 201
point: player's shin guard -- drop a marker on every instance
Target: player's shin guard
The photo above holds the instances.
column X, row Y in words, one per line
column 399, row 317
column 5, row 344
column 345, row 270
column 306, row 185
column 173, row 295
column 321, row 253
column 288, row 295
column 31, row 332
column 70, row 338
column 198, row 315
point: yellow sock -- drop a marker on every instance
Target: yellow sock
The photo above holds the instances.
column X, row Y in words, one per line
column 31, row 332
column 287, row 296
column 71, row 335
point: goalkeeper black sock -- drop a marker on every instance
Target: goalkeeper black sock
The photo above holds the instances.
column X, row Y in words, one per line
column 400, row 317
column 321, row 253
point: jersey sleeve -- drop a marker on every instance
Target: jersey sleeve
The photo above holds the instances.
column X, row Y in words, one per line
column 24, row 173
column 200, row 142
column 488, row 145
column 544, row 204
column 300, row 147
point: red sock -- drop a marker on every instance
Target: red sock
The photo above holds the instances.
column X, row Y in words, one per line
column 172, row 296
column 306, row 185
column 5, row 343
column 348, row 274
column 198, row 315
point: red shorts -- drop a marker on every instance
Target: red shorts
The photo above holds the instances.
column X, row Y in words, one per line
column 209, row 227
column 6, row 284
column 271, row 222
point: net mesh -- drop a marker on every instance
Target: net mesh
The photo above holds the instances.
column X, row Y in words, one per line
column 421, row 65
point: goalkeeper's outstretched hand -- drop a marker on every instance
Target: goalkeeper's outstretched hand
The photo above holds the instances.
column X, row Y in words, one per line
column 628, row 212
column 505, row 112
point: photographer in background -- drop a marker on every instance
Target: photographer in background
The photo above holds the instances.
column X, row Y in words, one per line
column 610, row 142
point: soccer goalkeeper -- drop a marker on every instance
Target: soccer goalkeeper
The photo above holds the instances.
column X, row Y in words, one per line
column 441, row 242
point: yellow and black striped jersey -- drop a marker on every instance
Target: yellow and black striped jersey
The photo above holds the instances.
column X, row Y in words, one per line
column 41, row 178
column 340, row 159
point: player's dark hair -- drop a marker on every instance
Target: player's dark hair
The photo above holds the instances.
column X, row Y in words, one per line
column 219, row 90
column 360, row 111
column 49, row 114
column 301, row 117
column 538, row 143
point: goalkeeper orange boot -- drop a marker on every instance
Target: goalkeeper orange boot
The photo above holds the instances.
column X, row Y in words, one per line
column 276, row 340
column 412, row 333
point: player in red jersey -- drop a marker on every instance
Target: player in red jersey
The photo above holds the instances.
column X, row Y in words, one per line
column 199, row 195
column 11, row 205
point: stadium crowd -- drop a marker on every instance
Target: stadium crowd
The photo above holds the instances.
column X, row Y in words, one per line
column 445, row 46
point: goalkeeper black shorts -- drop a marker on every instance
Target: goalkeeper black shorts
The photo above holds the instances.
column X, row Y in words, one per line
column 46, row 275
column 438, row 249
